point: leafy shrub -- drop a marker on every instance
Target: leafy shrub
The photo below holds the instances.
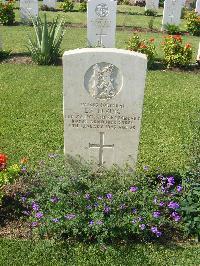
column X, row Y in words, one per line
column 191, row 204
column 161, row 3
column 143, row 46
column 7, row 15
column 67, row 6
column 4, row 54
column 175, row 53
column 150, row 12
column 76, row 200
column 193, row 23
column 9, row 174
column 172, row 29
column 83, row 6
column 47, row 8
column 45, row 49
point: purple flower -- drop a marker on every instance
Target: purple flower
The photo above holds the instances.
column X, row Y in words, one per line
column 91, row 222
column 173, row 205
column 176, row 217
column 161, row 204
column 23, row 198
column 26, row 213
column 39, row 215
column 155, row 200
column 133, row 189
column 87, row 196
column 134, row 221
column 35, row 207
column 155, row 230
column 89, row 207
column 24, row 169
column 142, row 226
column 179, row 188
column 34, row 224
column 123, row 206
column 99, row 197
column 146, row 168
column 170, row 181
column 70, row 216
column 55, row 220
column 162, row 178
column 54, row 199
column 140, row 219
column 156, row 214
column 96, row 204
column 99, row 222
column 109, row 196
column 106, row 209
column 134, row 210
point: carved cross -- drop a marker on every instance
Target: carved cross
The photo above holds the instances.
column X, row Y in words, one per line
column 100, row 35
column 101, row 146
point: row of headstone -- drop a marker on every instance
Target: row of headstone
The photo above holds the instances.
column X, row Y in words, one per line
column 197, row 8
column 29, row 8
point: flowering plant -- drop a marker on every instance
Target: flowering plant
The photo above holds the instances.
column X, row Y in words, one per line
column 175, row 53
column 100, row 205
column 193, row 23
column 143, row 46
column 8, row 174
column 7, row 15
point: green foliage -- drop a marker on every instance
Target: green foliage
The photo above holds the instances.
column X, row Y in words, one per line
column 150, row 12
column 191, row 204
column 4, row 54
column 151, row 23
column 193, row 23
column 47, row 8
column 175, row 53
column 143, row 46
column 79, row 201
column 172, row 29
column 67, row 6
column 7, row 15
column 83, row 6
column 45, row 49
column 8, row 174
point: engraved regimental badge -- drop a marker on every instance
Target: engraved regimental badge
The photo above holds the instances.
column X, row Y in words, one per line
column 102, row 10
column 103, row 81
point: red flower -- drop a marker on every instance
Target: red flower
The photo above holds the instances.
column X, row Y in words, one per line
column 143, row 46
column 187, row 46
column 3, row 161
column 151, row 39
column 177, row 37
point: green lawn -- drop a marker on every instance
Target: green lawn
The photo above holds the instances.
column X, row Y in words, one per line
column 32, row 123
column 46, row 253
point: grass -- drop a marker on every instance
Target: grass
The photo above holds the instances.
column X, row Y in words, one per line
column 32, row 123
column 18, row 252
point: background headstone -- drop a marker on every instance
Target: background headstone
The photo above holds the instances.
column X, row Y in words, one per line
column 198, row 54
column 197, row 8
column 101, row 23
column 50, row 3
column 28, row 8
column 103, row 99
column 172, row 12
column 152, row 4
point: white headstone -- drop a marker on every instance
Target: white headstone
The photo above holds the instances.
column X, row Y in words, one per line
column 172, row 12
column 28, row 8
column 103, row 99
column 152, row 4
column 101, row 23
column 198, row 54
column 197, row 9
column 50, row 3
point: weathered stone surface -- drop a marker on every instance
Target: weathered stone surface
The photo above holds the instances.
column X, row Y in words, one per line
column 172, row 12
column 152, row 4
column 103, row 99
column 28, row 8
column 50, row 3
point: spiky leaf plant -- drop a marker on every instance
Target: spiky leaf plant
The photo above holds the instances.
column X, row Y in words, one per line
column 45, row 48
